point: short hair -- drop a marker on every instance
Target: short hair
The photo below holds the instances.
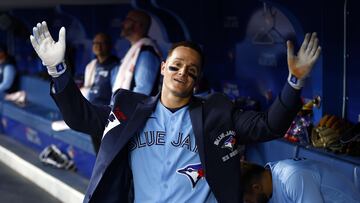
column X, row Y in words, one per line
column 107, row 37
column 144, row 19
column 192, row 45
column 250, row 174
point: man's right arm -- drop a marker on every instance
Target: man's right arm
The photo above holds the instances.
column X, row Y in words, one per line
column 78, row 113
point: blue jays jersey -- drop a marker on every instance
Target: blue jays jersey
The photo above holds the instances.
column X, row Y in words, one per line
column 302, row 180
column 165, row 161
column 100, row 91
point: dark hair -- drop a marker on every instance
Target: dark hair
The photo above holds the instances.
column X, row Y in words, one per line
column 192, row 45
column 250, row 173
column 107, row 37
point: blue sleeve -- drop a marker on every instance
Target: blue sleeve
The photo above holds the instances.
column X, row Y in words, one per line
column 146, row 72
column 8, row 77
column 302, row 188
column 61, row 81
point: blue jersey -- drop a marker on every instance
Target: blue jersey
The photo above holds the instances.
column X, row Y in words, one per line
column 7, row 77
column 165, row 161
column 307, row 181
column 100, row 92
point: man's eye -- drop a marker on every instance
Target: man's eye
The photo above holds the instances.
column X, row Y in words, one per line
column 193, row 76
column 192, row 72
column 173, row 68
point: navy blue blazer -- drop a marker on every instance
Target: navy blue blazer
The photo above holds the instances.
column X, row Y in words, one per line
column 213, row 119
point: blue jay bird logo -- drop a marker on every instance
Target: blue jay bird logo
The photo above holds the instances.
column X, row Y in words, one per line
column 229, row 143
column 193, row 171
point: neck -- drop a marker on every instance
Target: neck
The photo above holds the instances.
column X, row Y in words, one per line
column 172, row 101
column 101, row 59
column 135, row 38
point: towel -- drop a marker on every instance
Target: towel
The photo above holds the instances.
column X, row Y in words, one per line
column 126, row 70
column 89, row 78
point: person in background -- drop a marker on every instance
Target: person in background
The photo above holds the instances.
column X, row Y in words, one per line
column 139, row 70
column 97, row 87
column 296, row 180
column 97, row 79
column 8, row 72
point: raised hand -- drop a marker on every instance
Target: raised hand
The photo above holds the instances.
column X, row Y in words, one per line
column 300, row 65
column 50, row 52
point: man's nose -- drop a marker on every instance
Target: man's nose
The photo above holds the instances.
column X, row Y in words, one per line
column 183, row 71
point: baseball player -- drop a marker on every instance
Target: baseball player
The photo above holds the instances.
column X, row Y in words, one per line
column 172, row 147
column 296, row 180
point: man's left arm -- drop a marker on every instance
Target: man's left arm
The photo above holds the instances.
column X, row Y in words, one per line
column 300, row 65
column 272, row 124
column 146, row 72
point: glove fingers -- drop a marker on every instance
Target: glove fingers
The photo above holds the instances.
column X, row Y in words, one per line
column 62, row 35
column 46, row 32
column 290, row 54
column 311, row 46
column 40, row 32
column 305, row 43
column 34, row 43
column 317, row 53
column 36, row 34
column 314, row 48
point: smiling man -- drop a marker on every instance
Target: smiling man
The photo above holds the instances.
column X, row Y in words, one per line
column 173, row 147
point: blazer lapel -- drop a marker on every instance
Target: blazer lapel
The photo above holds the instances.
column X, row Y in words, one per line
column 142, row 112
column 196, row 116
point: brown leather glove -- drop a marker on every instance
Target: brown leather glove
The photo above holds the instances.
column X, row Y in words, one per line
column 328, row 132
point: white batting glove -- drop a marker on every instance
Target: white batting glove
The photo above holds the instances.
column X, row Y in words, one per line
column 300, row 65
column 50, row 52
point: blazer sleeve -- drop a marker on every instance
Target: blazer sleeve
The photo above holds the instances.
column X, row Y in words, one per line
column 78, row 113
column 254, row 126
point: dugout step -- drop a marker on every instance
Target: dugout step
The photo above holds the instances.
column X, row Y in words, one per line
column 65, row 185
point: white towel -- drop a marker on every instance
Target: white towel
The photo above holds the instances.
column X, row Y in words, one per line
column 89, row 78
column 126, row 70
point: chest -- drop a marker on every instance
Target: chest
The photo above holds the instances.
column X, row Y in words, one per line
column 166, row 133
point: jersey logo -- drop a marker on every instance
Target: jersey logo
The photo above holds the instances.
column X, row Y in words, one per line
column 229, row 143
column 114, row 120
column 194, row 172
column 112, row 123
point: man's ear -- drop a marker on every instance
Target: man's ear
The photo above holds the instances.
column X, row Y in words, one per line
column 163, row 67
